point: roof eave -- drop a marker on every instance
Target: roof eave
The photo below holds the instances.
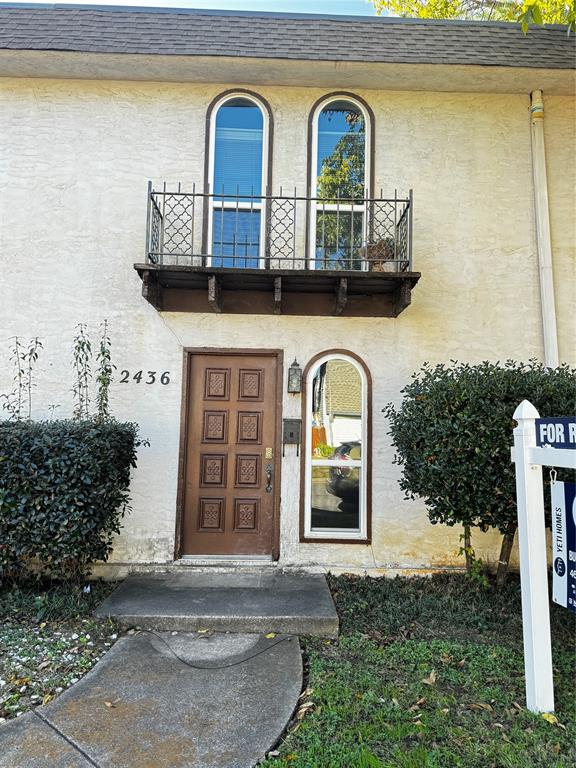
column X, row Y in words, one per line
column 289, row 72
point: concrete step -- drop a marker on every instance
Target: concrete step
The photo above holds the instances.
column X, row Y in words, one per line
column 289, row 603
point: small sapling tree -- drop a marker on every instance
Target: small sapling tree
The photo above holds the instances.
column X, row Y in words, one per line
column 452, row 433
column 18, row 403
column 104, row 371
column 83, row 369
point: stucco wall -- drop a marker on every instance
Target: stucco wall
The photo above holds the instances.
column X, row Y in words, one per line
column 560, row 139
column 75, row 157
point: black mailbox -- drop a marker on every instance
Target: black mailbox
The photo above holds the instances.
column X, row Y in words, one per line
column 291, row 434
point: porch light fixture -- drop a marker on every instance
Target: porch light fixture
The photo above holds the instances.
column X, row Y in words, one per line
column 294, row 378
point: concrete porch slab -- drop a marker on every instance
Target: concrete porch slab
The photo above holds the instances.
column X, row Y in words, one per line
column 298, row 604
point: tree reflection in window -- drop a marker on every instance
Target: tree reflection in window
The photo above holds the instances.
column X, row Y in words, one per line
column 340, row 181
column 341, row 149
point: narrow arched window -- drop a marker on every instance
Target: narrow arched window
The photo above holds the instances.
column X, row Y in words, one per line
column 339, row 183
column 336, row 451
column 238, row 171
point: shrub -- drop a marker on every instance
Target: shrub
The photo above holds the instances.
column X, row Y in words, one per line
column 64, row 492
column 453, row 432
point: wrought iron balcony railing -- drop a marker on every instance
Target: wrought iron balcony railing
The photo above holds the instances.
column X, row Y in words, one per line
column 278, row 232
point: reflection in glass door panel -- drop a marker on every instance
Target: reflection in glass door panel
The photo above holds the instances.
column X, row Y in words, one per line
column 336, row 419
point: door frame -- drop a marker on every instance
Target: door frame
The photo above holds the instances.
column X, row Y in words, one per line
column 188, row 353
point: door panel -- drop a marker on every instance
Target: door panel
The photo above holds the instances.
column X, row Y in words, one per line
column 232, row 430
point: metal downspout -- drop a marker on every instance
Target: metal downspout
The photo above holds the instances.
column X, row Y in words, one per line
column 543, row 241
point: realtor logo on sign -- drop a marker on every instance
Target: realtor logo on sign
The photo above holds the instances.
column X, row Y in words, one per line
column 564, row 544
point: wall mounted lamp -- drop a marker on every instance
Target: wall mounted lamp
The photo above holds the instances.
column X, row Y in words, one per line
column 294, row 378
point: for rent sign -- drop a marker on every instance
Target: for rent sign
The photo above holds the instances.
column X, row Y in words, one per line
column 556, row 433
column 564, row 544
column 537, row 443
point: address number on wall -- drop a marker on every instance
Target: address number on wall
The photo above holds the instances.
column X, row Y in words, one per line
column 145, row 377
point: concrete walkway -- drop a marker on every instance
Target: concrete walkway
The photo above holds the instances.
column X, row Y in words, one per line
column 166, row 700
column 264, row 601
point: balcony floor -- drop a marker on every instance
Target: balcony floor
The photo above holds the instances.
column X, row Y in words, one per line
column 175, row 288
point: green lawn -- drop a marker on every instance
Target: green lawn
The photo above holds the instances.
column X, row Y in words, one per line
column 428, row 673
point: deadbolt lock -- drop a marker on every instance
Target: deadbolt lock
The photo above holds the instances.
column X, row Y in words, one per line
column 269, row 454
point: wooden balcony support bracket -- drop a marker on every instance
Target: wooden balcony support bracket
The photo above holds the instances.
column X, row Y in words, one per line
column 341, row 295
column 286, row 292
column 214, row 295
column 151, row 289
column 402, row 297
column 277, row 295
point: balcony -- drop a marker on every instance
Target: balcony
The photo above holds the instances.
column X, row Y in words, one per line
column 277, row 254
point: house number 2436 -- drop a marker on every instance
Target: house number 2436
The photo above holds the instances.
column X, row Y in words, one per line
column 147, row 377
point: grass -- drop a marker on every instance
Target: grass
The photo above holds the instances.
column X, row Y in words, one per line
column 48, row 640
column 428, row 673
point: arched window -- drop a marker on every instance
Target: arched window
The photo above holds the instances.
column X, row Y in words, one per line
column 336, row 449
column 339, row 182
column 238, row 173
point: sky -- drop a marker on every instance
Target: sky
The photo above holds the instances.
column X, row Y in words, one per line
column 349, row 7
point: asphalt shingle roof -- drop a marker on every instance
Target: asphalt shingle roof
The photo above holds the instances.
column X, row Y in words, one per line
column 189, row 32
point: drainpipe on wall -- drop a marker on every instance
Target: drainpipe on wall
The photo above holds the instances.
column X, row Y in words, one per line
column 543, row 241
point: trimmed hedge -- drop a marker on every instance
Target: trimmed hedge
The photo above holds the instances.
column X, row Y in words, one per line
column 452, row 433
column 63, row 492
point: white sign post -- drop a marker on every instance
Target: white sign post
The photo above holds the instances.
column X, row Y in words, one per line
column 529, row 460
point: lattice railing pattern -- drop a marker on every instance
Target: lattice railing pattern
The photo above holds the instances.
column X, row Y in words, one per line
column 279, row 231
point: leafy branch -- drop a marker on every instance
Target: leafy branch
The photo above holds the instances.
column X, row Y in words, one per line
column 104, row 375
column 83, row 368
column 23, row 360
column 524, row 12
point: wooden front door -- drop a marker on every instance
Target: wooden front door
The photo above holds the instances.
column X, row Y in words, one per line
column 231, row 453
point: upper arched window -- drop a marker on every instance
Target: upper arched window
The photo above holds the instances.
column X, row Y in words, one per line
column 336, row 498
column 239, row 130
column 340, row 178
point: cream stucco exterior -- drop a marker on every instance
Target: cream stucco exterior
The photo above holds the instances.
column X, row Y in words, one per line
column 75, row 158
